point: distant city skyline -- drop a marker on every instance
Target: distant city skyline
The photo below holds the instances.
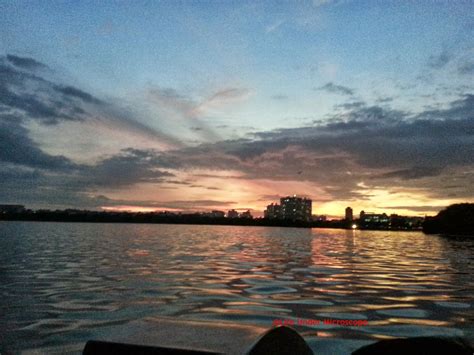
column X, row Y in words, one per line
column 202, row 106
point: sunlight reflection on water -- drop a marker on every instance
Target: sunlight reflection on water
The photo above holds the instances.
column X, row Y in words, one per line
column 62, row 284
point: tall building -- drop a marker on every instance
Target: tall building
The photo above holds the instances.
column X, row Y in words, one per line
column 349, row 214
column 295, row 208
column 272, row 211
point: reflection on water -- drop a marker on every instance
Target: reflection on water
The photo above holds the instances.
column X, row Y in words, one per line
column 62, row 284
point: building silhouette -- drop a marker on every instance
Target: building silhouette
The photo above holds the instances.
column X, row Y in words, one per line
column 291, row 208
column 370, row 220
column 272, row 211
column 349, row 215
column 246, row 215
column 296, row 208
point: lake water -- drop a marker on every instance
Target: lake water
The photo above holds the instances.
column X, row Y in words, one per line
column 64, row 283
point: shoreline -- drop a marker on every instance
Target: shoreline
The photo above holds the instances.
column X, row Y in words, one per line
column 258, row 222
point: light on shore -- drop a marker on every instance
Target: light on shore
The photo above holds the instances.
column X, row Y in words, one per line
column 354, row 226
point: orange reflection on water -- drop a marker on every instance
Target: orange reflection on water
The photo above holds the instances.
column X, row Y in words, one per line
column 377, row 263
column 427, row 322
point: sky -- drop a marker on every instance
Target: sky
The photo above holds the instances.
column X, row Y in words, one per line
column 204, row 105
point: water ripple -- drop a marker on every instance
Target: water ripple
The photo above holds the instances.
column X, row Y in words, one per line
column 63, row 284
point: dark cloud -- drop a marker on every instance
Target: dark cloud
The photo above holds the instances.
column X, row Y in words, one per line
column 12, row 172
column 130, row 167
column 30, row 175
column 38, row 98
column 178, row 182
column 351, row 105
column 336, row 89
column 24, row 62
column 16, row 147
column 416, row 172
column 76, row 93
column 378, row 145
column 388, row 147
column 382, row 146
column 32, row 97
column 22, row 155
column 458, row 110
column 47, row 112
column 24, row 164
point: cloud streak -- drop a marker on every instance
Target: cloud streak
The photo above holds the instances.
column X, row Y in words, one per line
column 25, row 62
column 336, row 89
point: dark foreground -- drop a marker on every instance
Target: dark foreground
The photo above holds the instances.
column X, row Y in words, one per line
column 283, row 340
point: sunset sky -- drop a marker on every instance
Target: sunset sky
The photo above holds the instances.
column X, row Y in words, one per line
column 199, row 105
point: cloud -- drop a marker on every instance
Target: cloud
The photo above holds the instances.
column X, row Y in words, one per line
column 379, row 145
column 38, row 98
column 186, row 112
column 466, row 68
column 18, row 148
column 25, row 63
column 336, row 89
column 388, row 147
column 12, row 172
column 384, row 100
column 77, row 93
column 415, row 208
column 351, row 105
column 384, row 147
column 170, row 99
column 440, row 60
column 189, row 205
column 188, row 107
column 222, row 96
column 129, row 167
column 30, row 175
column 416, row 172
column 462, row 108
